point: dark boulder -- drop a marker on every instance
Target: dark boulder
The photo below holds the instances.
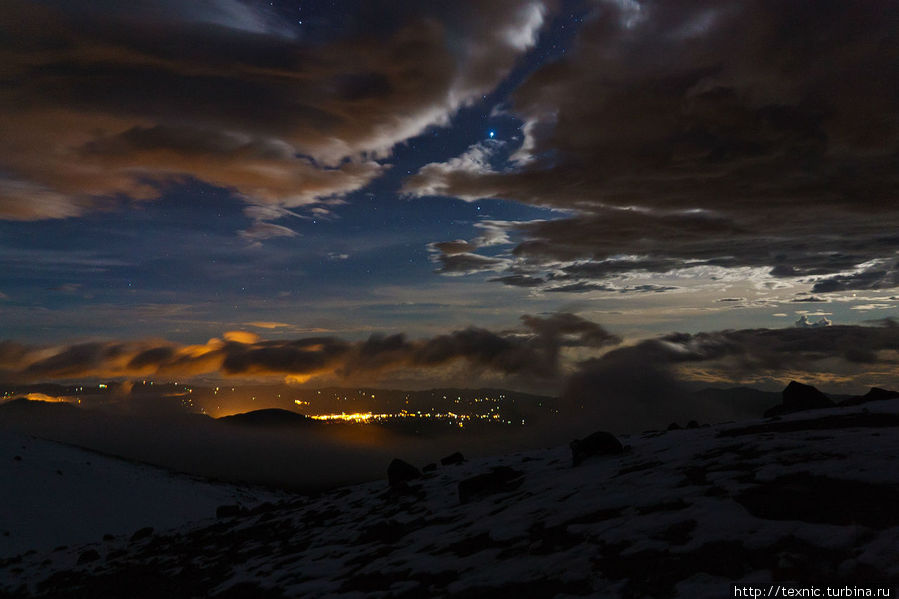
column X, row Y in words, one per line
column 797, row 397
column 693, row 424
column 143, row 533
column 429, row 467
column 399, row 473
column 673, row 427
column 599, row 443
column 453, row 458
column 500, row 479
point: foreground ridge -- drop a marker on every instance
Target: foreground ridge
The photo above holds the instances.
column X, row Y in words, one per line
column 807, row 499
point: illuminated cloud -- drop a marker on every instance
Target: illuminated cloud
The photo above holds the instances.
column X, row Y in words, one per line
column 533, row 351
column 438, row 178
column 262, row 324
column 805, row 323
column 104, row 101
column 241, row 337
column 624, row 384
column 262, row 230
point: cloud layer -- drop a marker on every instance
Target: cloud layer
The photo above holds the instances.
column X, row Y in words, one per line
column 746, row 133
column 646, row 383
column 532, row 352
column 545, row 348
column 601, row 380
column 100, row 102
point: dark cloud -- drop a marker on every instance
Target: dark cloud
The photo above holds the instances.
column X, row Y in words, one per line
column 466, row 263
column 75, row 359
column 581, row 287
column 580, row 332
column 584, row 286
column 103, row 100
column 532, row 352
column 884, row 277
column 646, row 384
column 520, row 281
column 613, row 266
column 752, row 351
column 304, row 356
column 742, row 134
column 626, row 391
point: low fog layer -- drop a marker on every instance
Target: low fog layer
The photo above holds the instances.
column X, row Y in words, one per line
column 305, row 458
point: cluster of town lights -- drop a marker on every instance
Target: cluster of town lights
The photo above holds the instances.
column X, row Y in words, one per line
column 373, row 417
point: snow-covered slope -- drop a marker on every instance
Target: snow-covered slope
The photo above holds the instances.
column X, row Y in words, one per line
column 808, row 499
column 53, row 494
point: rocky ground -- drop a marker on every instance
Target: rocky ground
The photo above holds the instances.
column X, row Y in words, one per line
column 808, row 498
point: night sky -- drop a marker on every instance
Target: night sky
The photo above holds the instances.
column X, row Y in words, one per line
column 537, row 194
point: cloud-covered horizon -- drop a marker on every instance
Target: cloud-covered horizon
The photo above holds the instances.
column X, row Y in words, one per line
column 551, row 351
column 688, row 135
column 532, row 352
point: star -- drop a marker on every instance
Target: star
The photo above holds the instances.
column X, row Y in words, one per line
column 491, row 134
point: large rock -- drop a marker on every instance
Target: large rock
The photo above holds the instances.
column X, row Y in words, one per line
column 142, row 534
column 797, row 397
column 499, row 480
column 399, row 473
column 453, row 458
column 599, row 443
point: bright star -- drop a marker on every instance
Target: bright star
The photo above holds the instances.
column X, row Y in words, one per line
column 491, row 134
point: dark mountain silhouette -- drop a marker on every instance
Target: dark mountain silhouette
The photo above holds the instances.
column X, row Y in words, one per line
column 874, row 394
column 269, row 418
column 22, row 409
